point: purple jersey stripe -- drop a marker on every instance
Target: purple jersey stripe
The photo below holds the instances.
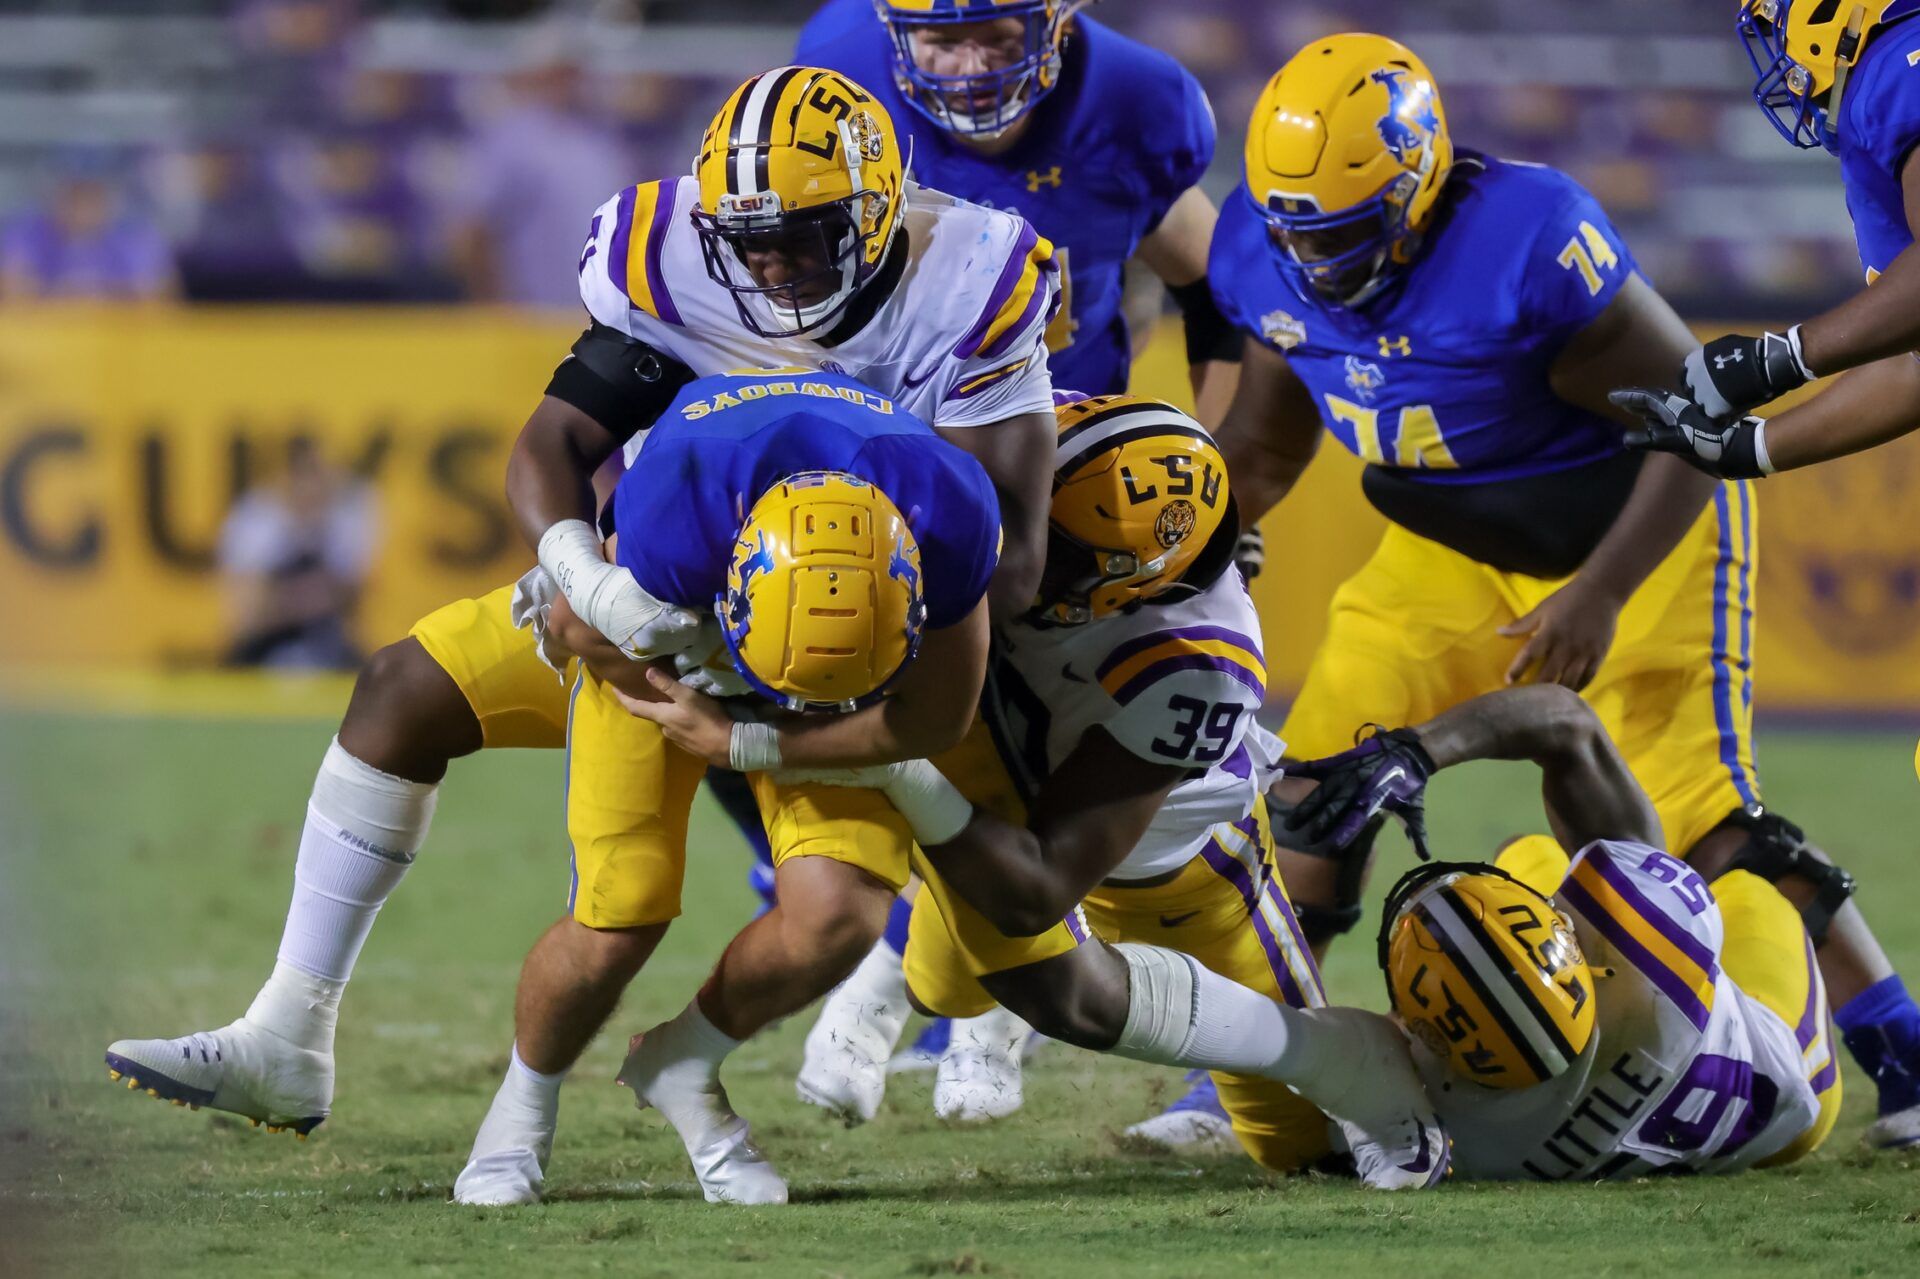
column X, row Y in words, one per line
column 1810, row 1018
column 1077, row 925
column 656, row 247
column 1002, row 290
column 616, row 263
column 1143, row 642
column 1683, row 941
column 1663, row 978
column 1827, row 1074
column 1240, row 764
column 1189, row 662
column 1230, row 868
column 1004, row 343
column 1285, row 907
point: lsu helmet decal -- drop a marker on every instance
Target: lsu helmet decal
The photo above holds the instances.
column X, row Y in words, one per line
column 1486, row 973
column 1802, row 53
column 1141, row 508
column 984, row 103
column 800, row 196
column 824, row 603
column 1346, row 155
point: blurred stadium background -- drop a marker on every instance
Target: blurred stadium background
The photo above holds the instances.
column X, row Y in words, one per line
column 280, row 278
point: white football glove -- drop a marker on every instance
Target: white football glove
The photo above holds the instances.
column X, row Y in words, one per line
column 608, row 598
column 531, row 602
column 693, row 671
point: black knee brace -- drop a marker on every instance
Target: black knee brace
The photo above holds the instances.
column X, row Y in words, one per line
column 1776, row 848
column 1321, row 924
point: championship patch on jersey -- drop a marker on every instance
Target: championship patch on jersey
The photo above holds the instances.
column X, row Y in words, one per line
column 1283, row 331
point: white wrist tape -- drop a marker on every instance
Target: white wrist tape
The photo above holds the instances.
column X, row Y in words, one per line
column 1799, row 357
column 570, row 551
column 1159, row 1004
column 1760, row 457
column 753, row 748
column 930, row 803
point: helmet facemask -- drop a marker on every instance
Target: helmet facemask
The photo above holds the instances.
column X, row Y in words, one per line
column 1345, row 259
column 981, row 105
column 1785, row 89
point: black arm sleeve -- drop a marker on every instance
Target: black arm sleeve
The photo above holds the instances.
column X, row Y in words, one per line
column 1210, row 335
column 618, row 382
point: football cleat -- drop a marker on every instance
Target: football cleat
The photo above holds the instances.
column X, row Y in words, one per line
column 979, row 1079
column 1397, row 1140
column 502, row 1178
column 1194, row 1125
column 925, row 1052
column 1896, row 1131
column 730, row 1167
column 845, row 1068
column 240, row 1068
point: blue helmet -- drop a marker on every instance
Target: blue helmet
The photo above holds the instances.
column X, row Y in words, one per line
column 982, row 104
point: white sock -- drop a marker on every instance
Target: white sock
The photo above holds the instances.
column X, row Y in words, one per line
column 994, row 1031
column 686, row 1088
column 1180, row 1013
column 363, row 829
column 524, row 1112
column 298, row 1007
column 878, row 990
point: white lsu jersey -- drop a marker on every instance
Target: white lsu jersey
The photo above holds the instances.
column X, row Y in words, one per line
column 1684, row 1070
column 1175, row 683
column 959, row 339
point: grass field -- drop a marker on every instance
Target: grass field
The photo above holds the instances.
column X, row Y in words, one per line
column 143, row 877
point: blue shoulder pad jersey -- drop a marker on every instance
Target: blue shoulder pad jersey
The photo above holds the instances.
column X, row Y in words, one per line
column 1445, row 374
column 1879, row 127
column 729, row 438
column 1123, row 134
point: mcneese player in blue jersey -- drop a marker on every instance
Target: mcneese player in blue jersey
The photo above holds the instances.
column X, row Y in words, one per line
column 1844, row 76
column 846, row 549
column 1457, row 320
column 1099, row 142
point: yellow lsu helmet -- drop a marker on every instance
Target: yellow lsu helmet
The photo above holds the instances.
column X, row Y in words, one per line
column 823, row 605
column 1141, row 508
column 1802, row 53
column 799, row 173
column 1487, row 973
column 1347, row 153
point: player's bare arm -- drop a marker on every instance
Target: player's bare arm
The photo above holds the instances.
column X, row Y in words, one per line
column 1882, row 319
column 1017, row 455
column 1089, row 814
column 1637, row 338
column 1269, row 434
column 1176, row 251
column 550, row 471
column 927, row 712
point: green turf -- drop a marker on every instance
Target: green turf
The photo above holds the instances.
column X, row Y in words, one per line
column 142, row 885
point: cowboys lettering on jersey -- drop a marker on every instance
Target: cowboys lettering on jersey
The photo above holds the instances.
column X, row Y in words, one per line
column 1121, row 135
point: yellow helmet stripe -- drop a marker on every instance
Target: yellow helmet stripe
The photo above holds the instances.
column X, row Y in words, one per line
column 1679, row 976
column 1539, row 1041
column 1238, row 652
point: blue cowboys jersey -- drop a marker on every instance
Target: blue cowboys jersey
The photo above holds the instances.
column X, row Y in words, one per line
column 728, row 439
column 1879, row 127
column 1119, row 139
column 1446, row 373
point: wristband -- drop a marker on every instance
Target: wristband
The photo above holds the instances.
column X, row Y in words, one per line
column 753, row 748
column 1760, row 458
column 1799, row 357
column 930, row 803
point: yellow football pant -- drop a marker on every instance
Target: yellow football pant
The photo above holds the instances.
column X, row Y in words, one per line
column 1414, row 632
column 1765, row 950
column 1223, row 909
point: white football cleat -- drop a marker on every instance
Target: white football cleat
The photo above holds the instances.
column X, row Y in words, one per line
column 845, row 1067
column 239, row 1068
column 501, row 1179
column 1195, row 1125
column 1396, row 1137
column 1896, row 1131
column 731, row 1169
column 979, row 1080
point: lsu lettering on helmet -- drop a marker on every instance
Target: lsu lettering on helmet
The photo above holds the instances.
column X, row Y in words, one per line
column 1486, row 973
column 1802, row 53
column 824, row 604
column 1141, row 508
column 1347, row 153
column 800, row 196
column 985, row 100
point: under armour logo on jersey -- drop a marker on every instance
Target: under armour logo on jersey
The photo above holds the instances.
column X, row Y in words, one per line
column 1037, row 179
column 1721, row 361
column 1395, row 346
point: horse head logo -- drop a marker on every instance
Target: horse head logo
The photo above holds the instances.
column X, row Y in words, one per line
column 1412, row 120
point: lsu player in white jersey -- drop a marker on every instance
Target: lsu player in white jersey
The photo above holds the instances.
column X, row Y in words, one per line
column 1120, row 715
column 1609, row 1017
column 798, row 241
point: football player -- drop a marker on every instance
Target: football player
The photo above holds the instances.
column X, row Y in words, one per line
column 797, row 242
column 1457, row 320
column 1099, row 142
column 1120, row 716
column 1839, row 76
column 861, row 568
column 1606, row 1018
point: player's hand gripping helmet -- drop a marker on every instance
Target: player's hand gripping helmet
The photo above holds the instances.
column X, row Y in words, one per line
column 1486, row 973
column 982, row 101
column 823, row 606
column 800, row 195
column 1141, row 508
column 1802, row 52
column 1346, row 155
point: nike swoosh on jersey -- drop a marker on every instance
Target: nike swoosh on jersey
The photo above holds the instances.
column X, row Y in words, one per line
column 1067, row 672
column 1174, row 921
